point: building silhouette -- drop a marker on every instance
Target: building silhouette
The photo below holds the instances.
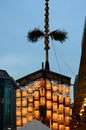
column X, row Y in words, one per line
column 80, row 82
column 7, row 101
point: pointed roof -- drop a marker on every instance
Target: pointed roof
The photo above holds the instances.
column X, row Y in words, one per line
column 34, row 125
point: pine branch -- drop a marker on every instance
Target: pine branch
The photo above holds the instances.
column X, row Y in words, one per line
column 34, row 35
column 58, row 35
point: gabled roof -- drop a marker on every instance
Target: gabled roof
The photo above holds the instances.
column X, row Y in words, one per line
column 34, row 125
column 43, row 74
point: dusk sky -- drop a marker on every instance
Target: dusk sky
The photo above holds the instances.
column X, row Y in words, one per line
column 20, row 57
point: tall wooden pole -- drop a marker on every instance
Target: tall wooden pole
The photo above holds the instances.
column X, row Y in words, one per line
column 46, row 36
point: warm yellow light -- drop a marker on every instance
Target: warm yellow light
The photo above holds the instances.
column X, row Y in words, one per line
column 61, row 127
column 30, row 116
column 18, row 111
column 30, row 89
column 55, row 97
column 67, row 90
column 67, row 128
column 24, row 111
column 84, row 99
column 18, row 93
column 84, row 104
column 48, row 85
column 54, row 88
column 60, row 118
column 24, row 120
column 30, row 98
column 55, row 116
column 61, row 98
column 18, row 102
column 48, row 94
column 42, row 91
column 42, row 100
column 36, row 85
column 48, row 113
column 30, row 107
column 67, row 120
column 48, row 104
column 61, row 108
column 36, row 113
column 67, row 111
column 61, row 87
column 24, row 93
column 55, row 106
column 36, row 104
column 82, row 110
column 18, row 121
column 55, row 125
column 24, row 102
column 36, row 94
column 80, row 114
column 67, row 100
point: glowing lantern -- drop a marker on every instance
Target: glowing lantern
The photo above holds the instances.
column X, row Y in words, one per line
column 55, row 125
column 30, row 107
column 18, row 111
column 61, row 118
column 61, row 87
column 67, row 120
column 48, row 85
column 55, row 106
column 55, row 116
column 61, row 108
column 67, row 90
column 67, row 100
column 36, row 95
column 24, row 93
column 24, row 102
column 36, row 85
column 61, row 127
column 36, row 104
column 61, row 98
column 67, row 111
column 42, row 82
column 42, row 91
column 42, row 100
column 18, row 121
column 18, row 102
column 30, row 89
column 24, row 111
column 24, row 120
column 67, row 128
column 36, row 113
column 30, row 98
column 30, row 116
column 48, row 94
column 55, row 97
column 84, row 103
column 18, row 93
column 48, row 113
column 48, row 104
column 54, row 88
